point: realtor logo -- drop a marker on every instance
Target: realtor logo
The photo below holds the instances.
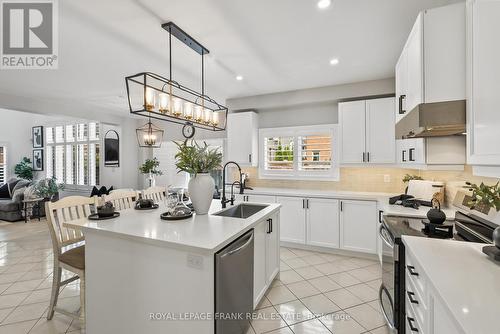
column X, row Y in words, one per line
column 29, row 34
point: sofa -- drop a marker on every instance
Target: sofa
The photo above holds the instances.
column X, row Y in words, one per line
column 11, row 199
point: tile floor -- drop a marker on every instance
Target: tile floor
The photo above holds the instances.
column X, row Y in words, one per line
column 315, row 293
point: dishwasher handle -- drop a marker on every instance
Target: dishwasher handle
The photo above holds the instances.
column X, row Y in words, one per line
column 245, row 245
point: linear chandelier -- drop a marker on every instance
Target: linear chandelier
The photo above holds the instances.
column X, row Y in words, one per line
column 154, row 96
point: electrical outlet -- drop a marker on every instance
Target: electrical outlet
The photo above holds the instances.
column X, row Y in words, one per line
column 195, row 261
column 387, row 178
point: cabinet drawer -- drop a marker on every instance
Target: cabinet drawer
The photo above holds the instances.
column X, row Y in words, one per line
column 412, row 324
column 416, row 303
column 415, row 275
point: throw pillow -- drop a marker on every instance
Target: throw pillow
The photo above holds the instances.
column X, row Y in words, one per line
column 21, row 184
column 12, row 184
column 4, row 191
column 18, row 195
column 95, row 192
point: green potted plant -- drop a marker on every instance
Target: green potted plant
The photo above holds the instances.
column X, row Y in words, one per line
column 150, row 168
column 199, row 161
column 484, row 195
column 48, row 189
column 24, row 169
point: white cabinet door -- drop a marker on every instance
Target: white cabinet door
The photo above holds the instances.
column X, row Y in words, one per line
column 414, row 53
column 352, row 128
column 259, row 269
column 402, row 151
column 273, row 249
column 380, row 131
column 323, row 222
column 260, row 198
column 416, row 150
column 401, row 85
column 442, row 321
column 242, row 138
column 292, row 219
column 484, row 86
column 358, row 226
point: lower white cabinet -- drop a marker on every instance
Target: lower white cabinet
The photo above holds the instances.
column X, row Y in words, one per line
column 322, row 221
column 358, row 226
column 292, row 219
column 266, row 256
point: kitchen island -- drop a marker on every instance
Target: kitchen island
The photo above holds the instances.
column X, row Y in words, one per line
column 147, row 275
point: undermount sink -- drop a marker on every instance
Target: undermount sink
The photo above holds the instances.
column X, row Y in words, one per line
column 241, row 211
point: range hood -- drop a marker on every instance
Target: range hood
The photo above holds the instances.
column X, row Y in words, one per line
column 433, row 120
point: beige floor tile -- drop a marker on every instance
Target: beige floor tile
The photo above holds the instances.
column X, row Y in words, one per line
column 10, row 278
column 287, row 255
column 363, row 292
column 250, row 330
column 309, row 272
column 301, row 252
column 26, row 312
column 320, row 305
column 303, row 289
column 5, row 312
column 284, row 266
column 314, row 259
column 344, row 279
column 294, row 312
column 17, row 328
column 375, row 284
column 364, row 275
column 380, row 330
column 329, row 268
column 276, row 282
column 23, row 286
column 290, row 276
column 366, row 316
column 59, row 324
column 364, row 262
column 70, row 291
column 280, row 294
column 4, row 287
column 333, row 257
column 38, row 296
column 33, row 275
column 296, row 263
column 375, row 305
column 343, row 298
column 310, row 327
column 19, row 268
column 284, row 330
column 264, row 302
column 324, row 284
column 7, row 301
column 267, row 320
column 342, row 323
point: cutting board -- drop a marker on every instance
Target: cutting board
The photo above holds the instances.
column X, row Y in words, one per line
column 425, row 190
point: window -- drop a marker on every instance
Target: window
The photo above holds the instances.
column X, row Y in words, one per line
column 3, row 164
column 73, row 153
column 301, row 153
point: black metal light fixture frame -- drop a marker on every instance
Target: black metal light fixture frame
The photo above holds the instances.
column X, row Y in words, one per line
column 160, row 84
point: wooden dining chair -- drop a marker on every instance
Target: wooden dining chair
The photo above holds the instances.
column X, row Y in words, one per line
column 122, row 199
column 157, row 194
column 68, row 247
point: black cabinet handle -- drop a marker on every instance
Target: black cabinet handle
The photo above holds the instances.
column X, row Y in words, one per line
column 364, row 157
column 307, row 203
column 401, row 98
column 412, row 327
column 303, row 203
column 269, row 226
column 411, row 270
column 412, row 158
column 411, row 297
column 250, row 158
column 341, row 206
column 380, row 216
column 368, row 156
column 403, row 155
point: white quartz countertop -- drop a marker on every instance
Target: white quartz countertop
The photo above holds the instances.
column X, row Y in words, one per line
column 200, row 233
column 465, row 279
column 401, row 211
column 356, row 195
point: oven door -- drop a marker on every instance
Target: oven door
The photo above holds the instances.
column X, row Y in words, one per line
column 386, row 291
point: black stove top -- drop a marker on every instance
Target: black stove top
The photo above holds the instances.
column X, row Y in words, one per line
column 463, row 228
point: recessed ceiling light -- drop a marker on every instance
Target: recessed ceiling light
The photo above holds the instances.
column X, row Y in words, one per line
column 239, row 77
column 324, row 4
column 334, row 61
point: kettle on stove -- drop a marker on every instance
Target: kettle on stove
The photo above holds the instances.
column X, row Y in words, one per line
column 436, row 215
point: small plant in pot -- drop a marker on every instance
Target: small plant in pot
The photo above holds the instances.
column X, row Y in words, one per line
column 150, row 168
column 199, row 161
column 48, row 189
column 106, row 210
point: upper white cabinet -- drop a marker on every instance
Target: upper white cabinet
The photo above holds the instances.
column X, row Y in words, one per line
column 431, row 67
column 358, row 226
column 431, row 153
column 483, row 69
column 243, row 138
column 367, row 131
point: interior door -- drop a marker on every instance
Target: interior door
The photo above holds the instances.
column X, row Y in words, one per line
column 352, row 127
column 380, row 131
column 292, row 219
column 323, row 222
column 358, row 226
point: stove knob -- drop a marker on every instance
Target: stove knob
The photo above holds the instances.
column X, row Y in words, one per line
column 496, row 237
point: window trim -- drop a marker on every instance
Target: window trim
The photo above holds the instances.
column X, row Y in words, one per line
column 333, row 174
column 5, row 163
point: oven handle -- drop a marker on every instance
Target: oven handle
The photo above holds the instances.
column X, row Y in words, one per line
column 391, row 326
column 387, row 242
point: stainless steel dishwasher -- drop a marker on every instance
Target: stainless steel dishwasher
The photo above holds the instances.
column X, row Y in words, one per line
column 234, row 286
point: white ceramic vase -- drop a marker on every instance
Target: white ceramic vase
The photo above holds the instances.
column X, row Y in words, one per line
column 201, row 191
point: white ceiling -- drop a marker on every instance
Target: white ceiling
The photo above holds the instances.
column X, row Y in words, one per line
column 276, row 45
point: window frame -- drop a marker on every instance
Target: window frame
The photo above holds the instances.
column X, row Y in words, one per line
column 333, row 174
column 75, row 141
column 4, row 165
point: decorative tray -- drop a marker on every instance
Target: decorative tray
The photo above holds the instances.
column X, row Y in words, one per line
column 95, row 216
column 155, row 206
column 167, row 216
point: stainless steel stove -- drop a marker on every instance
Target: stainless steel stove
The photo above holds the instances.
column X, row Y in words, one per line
column 469, row 225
